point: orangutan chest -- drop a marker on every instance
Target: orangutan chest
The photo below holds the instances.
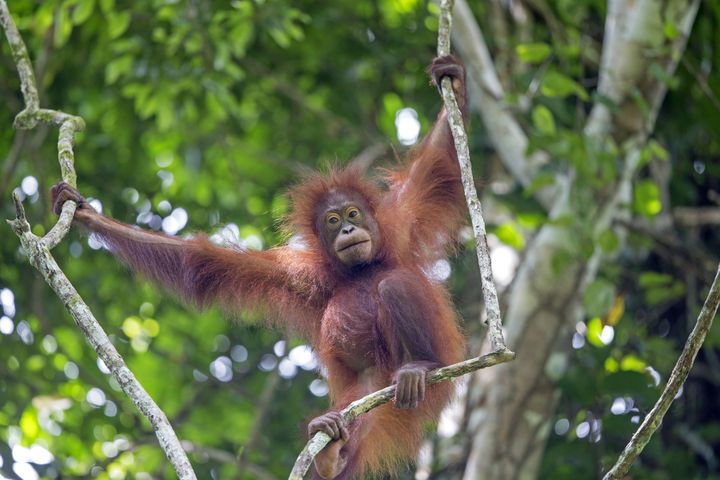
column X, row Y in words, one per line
column 350, row 325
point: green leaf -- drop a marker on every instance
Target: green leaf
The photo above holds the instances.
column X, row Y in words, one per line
column 598, row 297
column 44, row 17
column 531, row 220
column 280, row 37
column 35, row 363
column 611, row 365
column 117, row 68
column 63, row 28
column 391, row 104
column 660, row 287
column 82, row 11
column 647, row 198
column 107, row 5
column 510, row 235
column 654, row 279
column 240, row 37
column 658, row 296
column 71, row 342
column 594, row 331
column 30, row 426
column 561, row 258
column 118, row 23
column 540, row 180
column 608, row 241
column 556, row 84
column 543, row 120
column 533, row 52
column 670, row 30
column 627, row 383
column 658, row 150
column 632, row 363
column 132, row 327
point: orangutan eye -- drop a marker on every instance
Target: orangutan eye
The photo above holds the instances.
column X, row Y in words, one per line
column 353, row 212
column 333, row 219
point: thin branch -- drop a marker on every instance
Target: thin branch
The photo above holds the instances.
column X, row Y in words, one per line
column 223, row 456
column 11, row 160
column 677, row 379
column 264, row 402
column 501, row 36
column 685, row 256
column 696, row 216
column 381, row 397
column 702, row 82
column 38, row 250
column 697, row 445
column 490, row 296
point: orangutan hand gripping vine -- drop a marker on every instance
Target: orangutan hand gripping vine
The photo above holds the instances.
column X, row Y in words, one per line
column 358, row 289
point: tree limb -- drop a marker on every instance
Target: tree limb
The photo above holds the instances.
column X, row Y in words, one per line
column 381, row 397
column 677, row 378
column 38, row 250
column 492, row 305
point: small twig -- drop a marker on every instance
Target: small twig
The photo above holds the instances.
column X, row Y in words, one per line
column 223, row 456
column 38, row 250
column 696, row 216
column 490, row 296
column 677, row 378
column 702, row 82
column 697, row 445
column 381, row 397
column 11, row 161
column 501, row 35
column 685, row 256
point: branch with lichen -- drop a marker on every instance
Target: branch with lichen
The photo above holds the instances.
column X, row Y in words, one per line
column 37, row 249
column 490, row 296
column 381, row 397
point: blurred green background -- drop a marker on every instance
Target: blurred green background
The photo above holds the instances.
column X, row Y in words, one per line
column 199, row 114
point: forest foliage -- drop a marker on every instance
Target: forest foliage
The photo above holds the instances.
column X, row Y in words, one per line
column 200, row 114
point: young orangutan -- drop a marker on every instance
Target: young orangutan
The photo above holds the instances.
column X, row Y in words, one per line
column 357, row 289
